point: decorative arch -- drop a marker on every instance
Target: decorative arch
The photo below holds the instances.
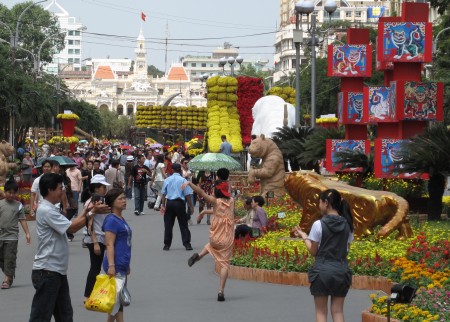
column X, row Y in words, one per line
column 103, row 107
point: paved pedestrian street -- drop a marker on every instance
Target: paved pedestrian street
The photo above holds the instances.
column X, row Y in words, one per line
column 165, row 289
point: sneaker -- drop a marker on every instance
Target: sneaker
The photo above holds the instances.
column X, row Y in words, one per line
column 136, row 212
column 166, row 247
column 142, row 213
column 220, row 297
column 156, row 208
column 188, row 246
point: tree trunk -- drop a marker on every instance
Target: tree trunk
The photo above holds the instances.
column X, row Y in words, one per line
column 436, row 187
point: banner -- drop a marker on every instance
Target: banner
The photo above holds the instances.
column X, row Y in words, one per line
column 375, row 12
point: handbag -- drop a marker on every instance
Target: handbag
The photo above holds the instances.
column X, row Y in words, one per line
column 125, row 297
column 103, row 296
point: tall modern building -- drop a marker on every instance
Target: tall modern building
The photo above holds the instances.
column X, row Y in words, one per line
column 72, row 52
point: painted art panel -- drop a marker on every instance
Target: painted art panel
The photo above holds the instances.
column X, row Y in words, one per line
column 334, row 146
column 340, row 107
column 355, row 110
column 421, row 101
column 377, row 100
column 393, row 101
column 386, row 157
column 349, row 60
column 404, row 42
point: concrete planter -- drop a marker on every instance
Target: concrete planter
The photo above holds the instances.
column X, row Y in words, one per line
column 301, row 279
column 371, row 317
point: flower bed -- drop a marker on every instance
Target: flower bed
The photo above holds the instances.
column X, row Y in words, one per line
column 422, row 261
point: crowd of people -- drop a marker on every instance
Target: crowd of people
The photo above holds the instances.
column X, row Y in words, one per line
column 103, row 178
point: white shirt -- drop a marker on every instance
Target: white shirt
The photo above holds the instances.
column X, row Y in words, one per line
column 315, row 234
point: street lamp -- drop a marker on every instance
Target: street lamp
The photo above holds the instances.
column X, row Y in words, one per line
column 306, row 8
column 230, row 60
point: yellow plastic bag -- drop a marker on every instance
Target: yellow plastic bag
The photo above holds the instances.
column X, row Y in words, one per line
column 103, row 296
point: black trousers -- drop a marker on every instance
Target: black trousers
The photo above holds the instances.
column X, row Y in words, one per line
column 176, row 209
column 94, row 270
column 242, row 231
column 52, row 297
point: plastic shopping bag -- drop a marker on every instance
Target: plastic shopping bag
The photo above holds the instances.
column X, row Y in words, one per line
column 120, row 282
column 103, row 296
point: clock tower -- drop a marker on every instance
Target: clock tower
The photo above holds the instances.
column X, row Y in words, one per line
column 140, row 66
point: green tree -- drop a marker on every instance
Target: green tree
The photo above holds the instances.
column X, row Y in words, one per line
column 30, row 100
column 441, row 5
column 36, row 26
column 429, row 152
column 114, row 126
column 152, row 70
column 90, row 120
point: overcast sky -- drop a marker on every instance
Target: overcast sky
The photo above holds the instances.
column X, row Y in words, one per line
column 189, row 23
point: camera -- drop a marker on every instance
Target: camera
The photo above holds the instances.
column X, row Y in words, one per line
column 96, row 198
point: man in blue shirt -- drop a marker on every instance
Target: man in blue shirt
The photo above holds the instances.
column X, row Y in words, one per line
column 225, row 146
column 175, row 207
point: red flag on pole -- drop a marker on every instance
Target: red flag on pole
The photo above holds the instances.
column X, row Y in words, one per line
column 143, row 16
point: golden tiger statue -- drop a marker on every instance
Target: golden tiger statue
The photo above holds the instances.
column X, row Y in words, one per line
column 369, row 208
column 271, row 172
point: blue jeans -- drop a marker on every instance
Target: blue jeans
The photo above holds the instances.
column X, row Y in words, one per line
column 128, row 192
column 52, row 297
column 76, row 197
column 139, row 197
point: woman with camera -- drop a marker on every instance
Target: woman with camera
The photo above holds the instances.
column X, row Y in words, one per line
column 95, row 237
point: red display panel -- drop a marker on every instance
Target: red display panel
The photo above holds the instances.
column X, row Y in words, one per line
column 351, row 108
column 333, row 146
column 377, row 104
column 404, row 42
column 349, row 60
column 418, row 101
column 386, row 156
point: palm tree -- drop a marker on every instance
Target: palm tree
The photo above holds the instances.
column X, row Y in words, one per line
column 290, row 141
column 356, row 159
column 429, row 152
column 314, row 147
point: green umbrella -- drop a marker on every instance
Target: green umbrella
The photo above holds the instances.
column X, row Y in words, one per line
column 63, row 161
column 213, row 162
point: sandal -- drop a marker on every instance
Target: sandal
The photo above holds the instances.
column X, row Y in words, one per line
column 6, row 285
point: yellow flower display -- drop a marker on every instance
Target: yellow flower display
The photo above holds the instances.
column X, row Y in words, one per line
column 70, row 116
column 326, row 120
column 286, row 93
column 223, row 116
column 62, row 140
column 171, row 117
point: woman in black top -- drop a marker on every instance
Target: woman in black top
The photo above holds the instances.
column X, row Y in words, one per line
column 329, row 241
